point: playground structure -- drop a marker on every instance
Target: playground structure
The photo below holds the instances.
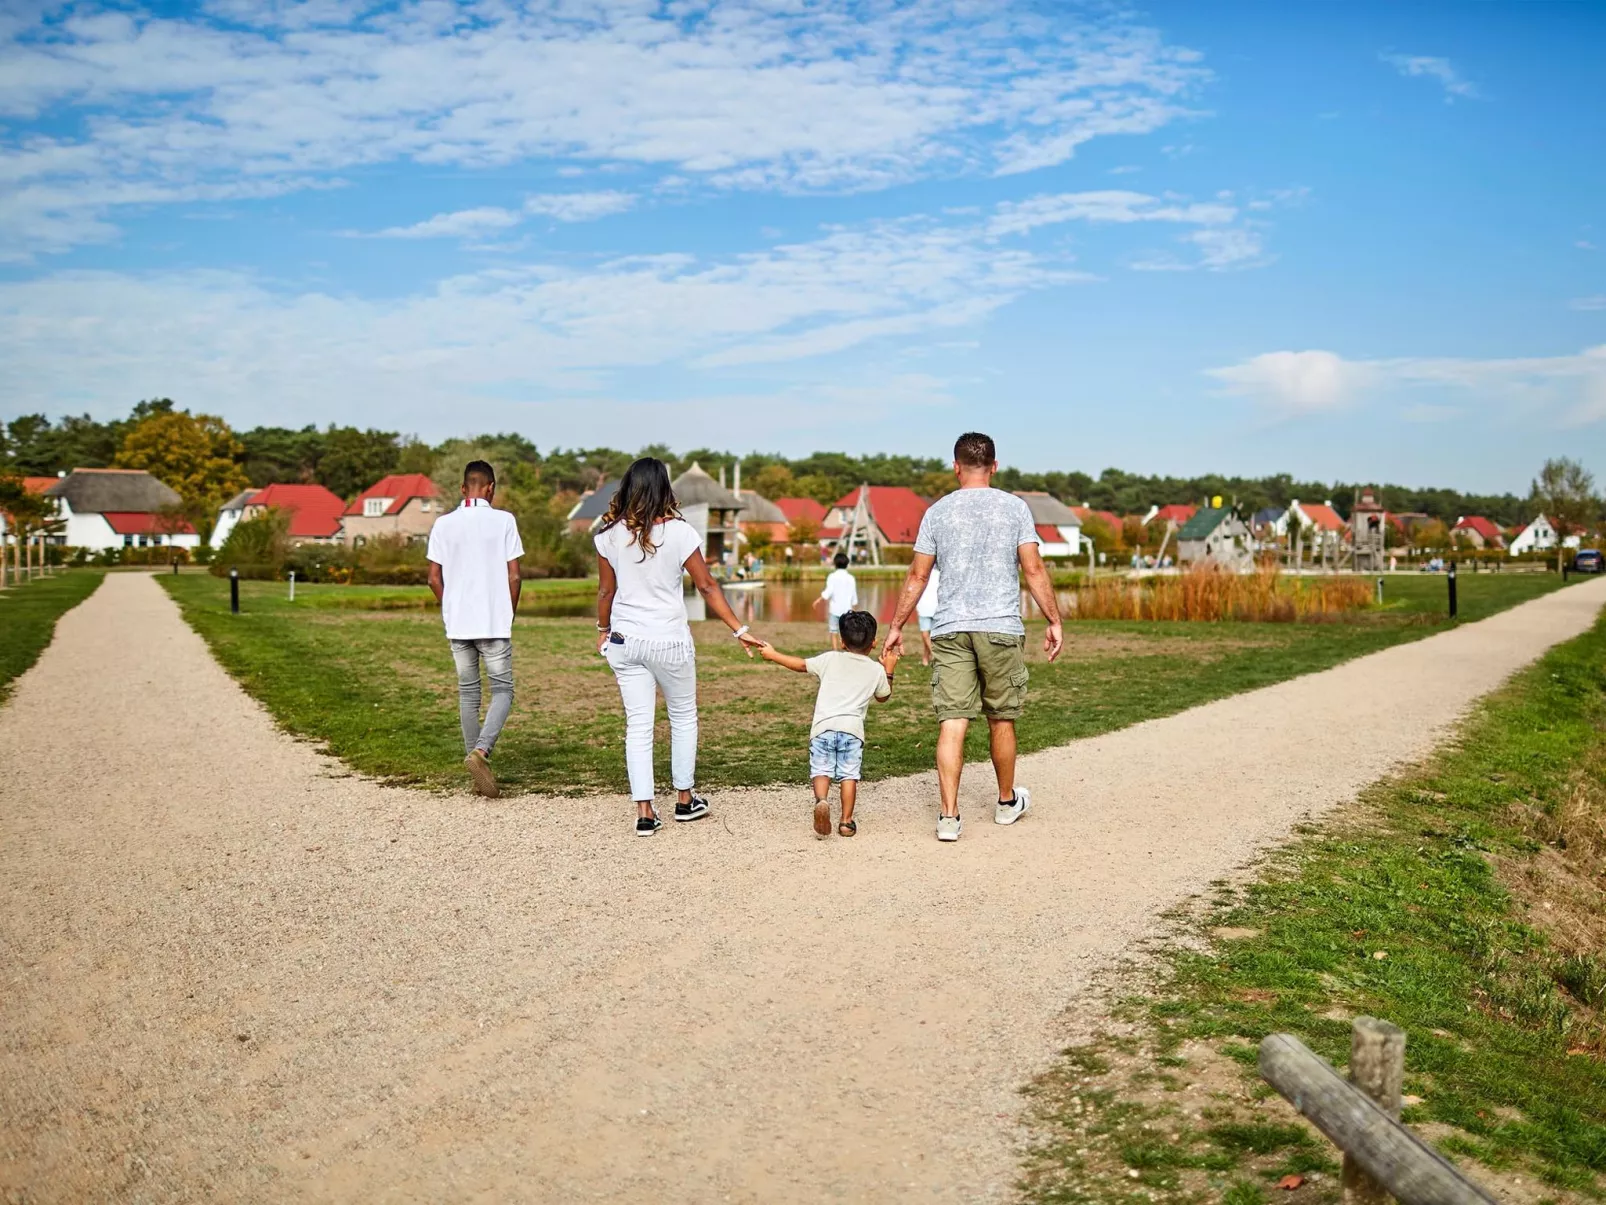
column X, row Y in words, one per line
column 861, row 530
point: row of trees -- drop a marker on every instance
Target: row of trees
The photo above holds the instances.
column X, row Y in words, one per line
column 206, row 462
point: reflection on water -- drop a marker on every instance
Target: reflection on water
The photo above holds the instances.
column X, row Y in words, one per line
column 770, row 602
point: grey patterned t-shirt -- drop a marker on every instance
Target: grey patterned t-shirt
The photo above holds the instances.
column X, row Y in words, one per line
column 974, row 535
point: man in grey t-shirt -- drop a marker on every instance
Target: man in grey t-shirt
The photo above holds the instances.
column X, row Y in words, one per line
column 980, row 540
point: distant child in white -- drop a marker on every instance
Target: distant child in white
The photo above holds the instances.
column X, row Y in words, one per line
column 841, row 595
column 849, row 679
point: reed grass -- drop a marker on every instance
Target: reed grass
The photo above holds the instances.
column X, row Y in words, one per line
column 1209, row 594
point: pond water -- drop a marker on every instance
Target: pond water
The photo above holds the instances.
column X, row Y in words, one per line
column 769, row 602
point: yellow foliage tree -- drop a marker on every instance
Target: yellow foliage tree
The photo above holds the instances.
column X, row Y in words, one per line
column 195, row 455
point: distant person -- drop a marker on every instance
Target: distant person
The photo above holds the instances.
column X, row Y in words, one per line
column 841, row 595
column 926, row 612
column 642, row 549
column 849, row 679
column 982, row 540
column 474, row 556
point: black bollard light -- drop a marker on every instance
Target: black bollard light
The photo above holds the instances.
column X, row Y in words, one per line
column 1451, row 580
column 234, row 593
column 1380, row 592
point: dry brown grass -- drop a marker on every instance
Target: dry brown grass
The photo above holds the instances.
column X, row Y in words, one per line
column 1562, row 891
column 1209, row 594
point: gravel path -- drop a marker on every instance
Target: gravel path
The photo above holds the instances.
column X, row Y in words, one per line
column 233, row 972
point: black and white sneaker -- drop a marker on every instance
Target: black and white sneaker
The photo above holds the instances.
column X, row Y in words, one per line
column 646, row 826
column 696, row 809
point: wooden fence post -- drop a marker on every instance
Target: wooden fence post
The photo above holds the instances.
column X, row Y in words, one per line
column 1377, row 1068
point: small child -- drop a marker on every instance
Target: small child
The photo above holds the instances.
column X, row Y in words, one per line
column 849, row 679
column 841, row 595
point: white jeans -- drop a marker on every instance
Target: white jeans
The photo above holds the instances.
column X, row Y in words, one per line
column 643, row 668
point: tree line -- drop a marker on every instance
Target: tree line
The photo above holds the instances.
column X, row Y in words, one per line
column 206, row 463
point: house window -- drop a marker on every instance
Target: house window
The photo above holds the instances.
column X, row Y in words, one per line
column 372, row 508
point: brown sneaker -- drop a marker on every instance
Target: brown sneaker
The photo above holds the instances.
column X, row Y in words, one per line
column 480, row 769
column 822, row 817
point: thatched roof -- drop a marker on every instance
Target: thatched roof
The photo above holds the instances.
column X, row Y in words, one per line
column 96, row 491
column 695, row 488
column 239, row 500
column 1048, row 509
column 756, row 508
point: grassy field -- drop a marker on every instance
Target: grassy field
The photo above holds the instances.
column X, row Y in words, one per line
column 28, row 615
column 1466, row 903
column 369, row 673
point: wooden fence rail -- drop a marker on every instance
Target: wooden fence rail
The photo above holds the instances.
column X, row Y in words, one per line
column 1361, row 1115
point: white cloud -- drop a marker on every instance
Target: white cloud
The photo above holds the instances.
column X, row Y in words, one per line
column 835, row 95
column 1294, row 382
column 1565, row 391
column 1596, row 302
column 520, row 330
column 465, row 223
column 579, row 206
column 1110, row 205
column 1429, row 67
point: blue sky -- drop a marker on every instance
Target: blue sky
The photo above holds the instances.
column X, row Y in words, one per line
column 1340, row 240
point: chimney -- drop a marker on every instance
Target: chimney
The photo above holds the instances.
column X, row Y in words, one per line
column 61, row 472
column 738, row 483
column 721, row 476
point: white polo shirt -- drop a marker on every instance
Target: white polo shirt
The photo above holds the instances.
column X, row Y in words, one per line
column 473, row 545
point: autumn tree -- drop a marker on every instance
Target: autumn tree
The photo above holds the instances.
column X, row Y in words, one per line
column 936, row 484
column 774, row 481
column 1564, row 492
column 196, row 455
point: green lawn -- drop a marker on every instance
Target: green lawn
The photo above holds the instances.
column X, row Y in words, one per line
column 28, row 615
column 377, row 685
column 1466, row 903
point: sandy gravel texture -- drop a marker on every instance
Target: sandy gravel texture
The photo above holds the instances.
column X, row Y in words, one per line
column 233, row 972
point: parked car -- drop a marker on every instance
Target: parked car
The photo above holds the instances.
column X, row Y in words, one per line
column 1589, row 560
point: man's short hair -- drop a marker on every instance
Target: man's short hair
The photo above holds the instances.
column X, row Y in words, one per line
column 857, row 629
column 973, row 450
column 840, row 560
column 477, row 474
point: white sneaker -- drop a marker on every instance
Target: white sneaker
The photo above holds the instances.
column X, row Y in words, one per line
column 948, row 828
column 1008, row 813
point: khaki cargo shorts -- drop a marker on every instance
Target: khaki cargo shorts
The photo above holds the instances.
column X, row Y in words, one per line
column 977, row 674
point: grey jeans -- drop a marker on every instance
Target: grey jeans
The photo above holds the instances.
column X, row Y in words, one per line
column 498, row 658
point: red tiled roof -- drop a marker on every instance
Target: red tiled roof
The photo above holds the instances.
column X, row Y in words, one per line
column 1178, row 512
column 1477, row 523
column 1322, row 515
column 402, row 488
column 801, row 508
column 38, row 485
column 144, row 523
column 1049, row 534
column 897, row 509
column 314, row 511
column 1110, row 518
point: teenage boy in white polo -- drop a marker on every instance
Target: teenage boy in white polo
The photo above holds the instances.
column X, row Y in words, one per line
column 983, row 542
column 474, row 556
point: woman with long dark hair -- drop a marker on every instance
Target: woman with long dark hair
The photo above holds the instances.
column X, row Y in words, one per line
column 642, row 549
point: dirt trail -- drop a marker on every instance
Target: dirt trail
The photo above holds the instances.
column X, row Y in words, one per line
column 233, row 973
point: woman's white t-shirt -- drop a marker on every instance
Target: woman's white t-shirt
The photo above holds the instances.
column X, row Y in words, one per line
column 650, row 603
column 927, row 606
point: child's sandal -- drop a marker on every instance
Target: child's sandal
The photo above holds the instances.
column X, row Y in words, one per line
column 847, row 828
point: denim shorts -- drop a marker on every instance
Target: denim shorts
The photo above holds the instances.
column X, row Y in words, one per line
column 833, row 625
column 836, row 755
column 925, row 622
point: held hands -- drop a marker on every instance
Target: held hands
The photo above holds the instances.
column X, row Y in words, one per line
column 893, row 643
column 889, row 660
column 751, row 642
